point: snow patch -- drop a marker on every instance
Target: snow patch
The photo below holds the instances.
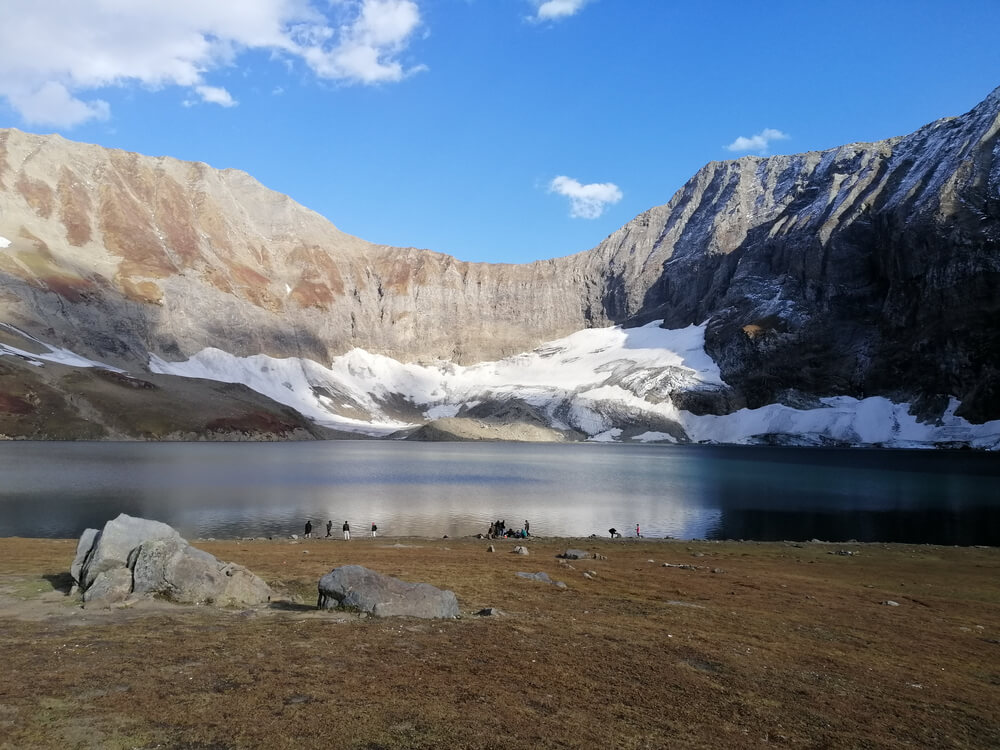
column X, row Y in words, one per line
column 597, row 381
column 4, row 242
column 294, row 382
column 55, row 354
column 443, row 411
column 655, row 437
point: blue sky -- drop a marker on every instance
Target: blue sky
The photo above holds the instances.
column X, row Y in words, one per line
column 492, row 130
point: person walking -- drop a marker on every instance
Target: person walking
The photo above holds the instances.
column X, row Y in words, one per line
column 329, row 529
column 374, row 529
column 527, row 528
column 637, row 534
column 309, row 529
column 347, row 531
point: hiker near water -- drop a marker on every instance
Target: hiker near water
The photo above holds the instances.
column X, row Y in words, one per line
column 329, row 528
column 527, row 528
column 613, row 532
column 374, row 529
column 309, row 529
column 637, row 534
column 347, row 531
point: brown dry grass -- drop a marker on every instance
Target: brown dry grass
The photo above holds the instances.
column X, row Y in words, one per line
column 789, row 646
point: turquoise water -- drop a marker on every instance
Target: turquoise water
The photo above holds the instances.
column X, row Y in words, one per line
column 425, row 489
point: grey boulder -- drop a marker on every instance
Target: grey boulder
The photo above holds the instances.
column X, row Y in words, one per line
column 109, row 587
column 110, row 547
column 575, row 554
column 357, row 587
column 132, row 557
column 176, row 570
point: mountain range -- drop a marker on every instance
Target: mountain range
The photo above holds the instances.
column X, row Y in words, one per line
column 840, row 297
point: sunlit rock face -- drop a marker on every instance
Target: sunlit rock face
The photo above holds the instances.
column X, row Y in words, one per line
column 866, row 270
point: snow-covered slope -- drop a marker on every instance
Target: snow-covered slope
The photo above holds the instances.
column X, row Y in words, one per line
column 609, row 384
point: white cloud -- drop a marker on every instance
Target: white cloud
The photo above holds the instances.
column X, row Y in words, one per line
column 215, row 95
column 55, row 55
column 586, row 201
column 759, row 143
column 52, row 103
column 553, row 10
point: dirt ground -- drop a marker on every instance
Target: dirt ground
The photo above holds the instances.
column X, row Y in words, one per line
column 760, row 645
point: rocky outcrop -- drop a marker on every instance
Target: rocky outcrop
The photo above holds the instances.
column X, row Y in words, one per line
column 132, row 557
column 865, row 270
column 358, row 588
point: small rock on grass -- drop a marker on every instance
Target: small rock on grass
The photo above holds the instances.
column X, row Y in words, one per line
column 519, row 550
column 542, row 577
column 489, row 612
column 890, row 603
column 491, row 548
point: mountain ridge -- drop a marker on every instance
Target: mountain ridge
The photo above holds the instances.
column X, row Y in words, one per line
column 861, row 270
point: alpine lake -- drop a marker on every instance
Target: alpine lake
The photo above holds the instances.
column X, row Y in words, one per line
column 227, row 490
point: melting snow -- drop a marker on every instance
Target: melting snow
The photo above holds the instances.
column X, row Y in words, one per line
column 596, row 381
column 54, row 354
column 4, row 242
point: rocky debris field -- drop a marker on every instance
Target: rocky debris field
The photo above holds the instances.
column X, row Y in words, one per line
column 651, row 644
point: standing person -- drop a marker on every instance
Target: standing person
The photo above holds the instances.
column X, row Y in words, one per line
column 527, row 528
column 637, row 534
column 329, row 528
column 374, row 529
column 309, row 529
column 347, row 531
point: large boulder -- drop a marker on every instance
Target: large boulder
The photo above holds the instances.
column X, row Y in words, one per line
column 134, row 557
column 174, row 569
column 357, row 587
column 111, row 546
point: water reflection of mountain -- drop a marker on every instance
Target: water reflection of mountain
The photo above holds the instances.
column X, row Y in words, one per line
column 433, row 490
column 967, row 526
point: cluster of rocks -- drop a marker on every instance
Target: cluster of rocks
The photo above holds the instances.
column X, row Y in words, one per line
column 134, row 557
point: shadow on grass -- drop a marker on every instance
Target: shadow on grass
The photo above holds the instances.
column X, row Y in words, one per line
column 61, row 582
column 286, row 606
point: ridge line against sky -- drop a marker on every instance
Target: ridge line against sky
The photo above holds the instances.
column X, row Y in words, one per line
column 497, row 130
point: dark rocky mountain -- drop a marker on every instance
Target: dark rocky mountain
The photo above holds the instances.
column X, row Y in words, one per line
column 865, row 270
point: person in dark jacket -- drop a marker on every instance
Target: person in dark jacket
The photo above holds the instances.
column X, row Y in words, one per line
column 347, row 532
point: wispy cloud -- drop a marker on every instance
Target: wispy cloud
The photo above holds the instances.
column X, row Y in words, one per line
column 56, row 55
column 586, row 201
column 215, row 95
column 553, row 10
column 759, row 143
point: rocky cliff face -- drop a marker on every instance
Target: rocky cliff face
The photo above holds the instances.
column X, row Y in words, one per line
column 869, row 269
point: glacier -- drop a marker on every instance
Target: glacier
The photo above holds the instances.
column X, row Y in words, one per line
column 606, row 384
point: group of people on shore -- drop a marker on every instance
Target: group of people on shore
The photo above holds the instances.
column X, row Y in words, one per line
column 329, row 530
column 498, row 529
column 615, row 533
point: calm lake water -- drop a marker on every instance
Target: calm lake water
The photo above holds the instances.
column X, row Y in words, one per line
column 432, row 489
